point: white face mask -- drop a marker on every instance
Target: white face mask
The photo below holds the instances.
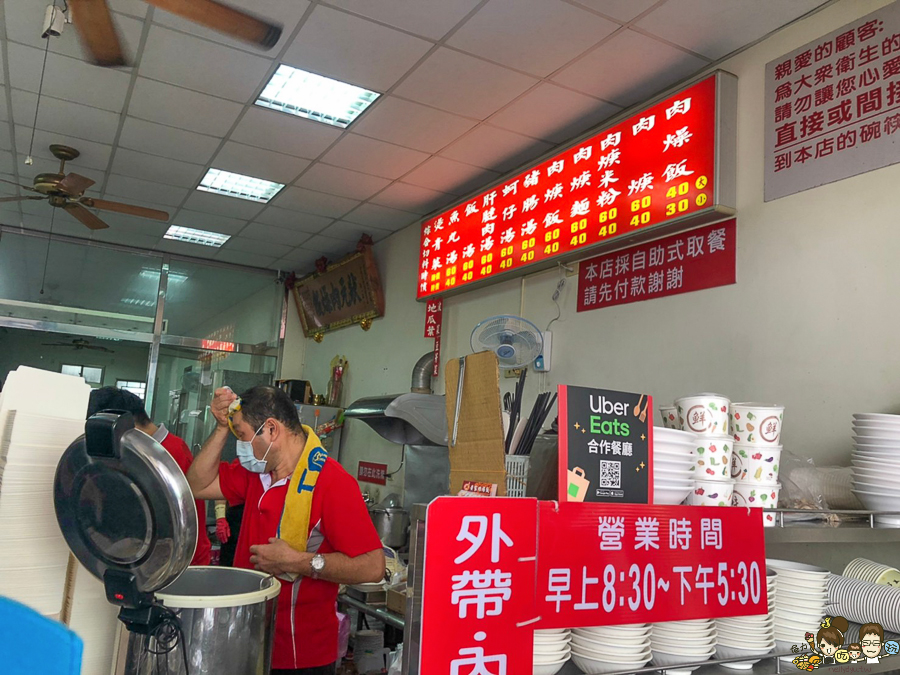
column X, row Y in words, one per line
column 246, row 457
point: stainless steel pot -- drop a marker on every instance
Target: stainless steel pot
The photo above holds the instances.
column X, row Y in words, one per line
column 392, row 525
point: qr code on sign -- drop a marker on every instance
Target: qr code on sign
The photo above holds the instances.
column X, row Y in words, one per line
column 610, row 474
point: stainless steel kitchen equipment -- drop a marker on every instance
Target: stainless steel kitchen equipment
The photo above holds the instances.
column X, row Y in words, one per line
column 392, row 523
column 127, row 513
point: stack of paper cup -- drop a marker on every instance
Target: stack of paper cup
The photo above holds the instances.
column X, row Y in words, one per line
column 757, row 455
column 707, row 415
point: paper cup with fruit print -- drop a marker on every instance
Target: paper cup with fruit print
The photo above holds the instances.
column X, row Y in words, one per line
column 712, row 493
column 757, row 423
column 704, row 414
column 712, row 458
column 669, row 416
column 758, row 496
column 755, row 464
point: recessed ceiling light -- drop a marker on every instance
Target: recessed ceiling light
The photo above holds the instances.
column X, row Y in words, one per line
column 193, row 236
column 236, row 185
column 314, row 97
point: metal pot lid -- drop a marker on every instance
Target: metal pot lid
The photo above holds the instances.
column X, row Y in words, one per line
column 123, row 504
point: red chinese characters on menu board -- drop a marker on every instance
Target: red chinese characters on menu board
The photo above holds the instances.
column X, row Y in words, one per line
column 655, row 166
column 691, row 261
column 833, row 106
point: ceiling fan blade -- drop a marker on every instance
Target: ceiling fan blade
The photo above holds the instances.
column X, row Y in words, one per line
column 128, row 209
column 86, row 217
column 98, row 32
column 24, row 187
column 74, row 184
column 224, row 19
column 19, row 199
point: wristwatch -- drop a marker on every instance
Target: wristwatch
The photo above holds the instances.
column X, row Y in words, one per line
column 318, row 565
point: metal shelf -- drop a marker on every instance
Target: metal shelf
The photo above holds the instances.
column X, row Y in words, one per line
column 805, row 526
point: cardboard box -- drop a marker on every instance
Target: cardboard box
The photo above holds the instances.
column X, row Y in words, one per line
column 396, row 601
column 479, row 455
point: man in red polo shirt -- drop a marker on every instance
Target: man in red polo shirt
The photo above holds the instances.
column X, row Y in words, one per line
column 342, row 546
column 112, row 398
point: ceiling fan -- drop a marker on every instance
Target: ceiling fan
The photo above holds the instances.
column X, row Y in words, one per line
column 64, row 190
column 100, row 38
column 77, row 344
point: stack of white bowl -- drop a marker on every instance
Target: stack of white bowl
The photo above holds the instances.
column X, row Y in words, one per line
column 757, row 456
column 707, row 415
column 800, row 600
column 751, row 636
column 673, row 453
column 876, row 464
column 678, row 643
column 609, row 649
column 551, row 650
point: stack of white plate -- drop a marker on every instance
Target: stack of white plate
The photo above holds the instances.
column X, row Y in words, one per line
column 609, row 649
column 752, row 636
column 551, row 650
column 678, row 643
column 673, row 458
column 800, row 601
column 93, row 619
column 876, row 464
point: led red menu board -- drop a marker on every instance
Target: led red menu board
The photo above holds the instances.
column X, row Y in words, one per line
column 672, row 162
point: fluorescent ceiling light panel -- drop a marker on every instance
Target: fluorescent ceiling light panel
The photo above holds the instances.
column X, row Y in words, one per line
column 193, row 236
column 236, row 185
column 174, row 277
column 314, row 97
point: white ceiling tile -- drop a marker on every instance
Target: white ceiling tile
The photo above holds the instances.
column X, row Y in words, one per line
column 299, row 260
column 176, row 107
column 286, row 13
column 354, row 50
column 240, row 258
column 24, row 20
column 125, row 187
column 440, row 173
column 68, row 78
column 620, row 10
column 343, row 182
column 316, row 203
column 4, row 111
column 157, row 139
column 136, row 8
column 301, row 222
column 536, row 36
column 6, row 139
column 375, row 157
column 629, row 68
column 93, row 155
column 62, row 223
column 220, row 205
column 429, row 18
column 381, row 217
column 65, row 117
column 277, row 235
column 284, row 133
column 553, row 113
column 208, row 67
column 257, row 247
column 185, row 248
column 335, row 248
column 115, row 236
column 697, row 24
column 156, row 169
column 463, row 84
column 210, row 222
column 352, row 232
column 412, row 198
column 411, row 124
column 497, row 149
column 265, row 164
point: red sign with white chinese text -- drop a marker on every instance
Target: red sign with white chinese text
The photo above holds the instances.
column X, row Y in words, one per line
column 434, row 314
column 833, row 106
column 691, row 261
column 370, row 472
column 656, row 166
column 478, row 595
column 604, row 564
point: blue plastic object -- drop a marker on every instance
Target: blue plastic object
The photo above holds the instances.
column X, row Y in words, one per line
column 31, row 643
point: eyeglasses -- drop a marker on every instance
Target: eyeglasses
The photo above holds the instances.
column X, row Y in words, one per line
column 871, row 643
column 232, row 409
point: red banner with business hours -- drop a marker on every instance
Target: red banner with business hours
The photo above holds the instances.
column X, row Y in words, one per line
column 603, row 564
column 371, row 472
column 478, row 595
column 656, row 166
column 683, row 263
